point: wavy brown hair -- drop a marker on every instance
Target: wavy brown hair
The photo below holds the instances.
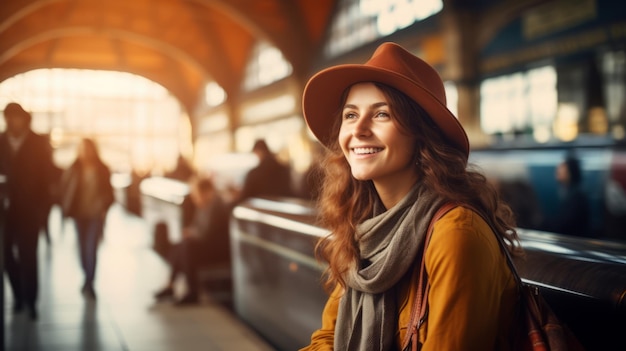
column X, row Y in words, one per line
column 345, row 202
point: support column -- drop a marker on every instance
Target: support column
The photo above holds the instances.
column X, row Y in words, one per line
column 460, row 29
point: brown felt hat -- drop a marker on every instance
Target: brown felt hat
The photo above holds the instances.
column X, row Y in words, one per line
column 392, row 65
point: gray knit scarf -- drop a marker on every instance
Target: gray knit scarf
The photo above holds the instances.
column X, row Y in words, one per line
column 389, row 244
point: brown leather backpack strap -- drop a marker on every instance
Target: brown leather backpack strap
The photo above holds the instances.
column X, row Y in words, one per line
column 418, row 310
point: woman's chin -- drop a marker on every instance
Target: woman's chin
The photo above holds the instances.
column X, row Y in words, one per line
column 361, row 176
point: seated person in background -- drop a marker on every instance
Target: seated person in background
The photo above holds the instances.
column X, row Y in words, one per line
column 572, row 216
column 205, row 240
column 269, row 178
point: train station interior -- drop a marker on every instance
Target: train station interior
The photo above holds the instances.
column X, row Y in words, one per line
column 171, row 90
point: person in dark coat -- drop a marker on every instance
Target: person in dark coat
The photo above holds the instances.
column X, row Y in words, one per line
column 26, row 165
column 87, row 195
column 572, row 217
column 269, row 178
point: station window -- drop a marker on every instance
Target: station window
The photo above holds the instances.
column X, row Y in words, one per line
column 136, row 122
column 359, row 22
column 523, row 102
column 214, row 95
column 267, row 65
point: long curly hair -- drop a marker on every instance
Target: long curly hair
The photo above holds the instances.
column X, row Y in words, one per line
column 345, row 202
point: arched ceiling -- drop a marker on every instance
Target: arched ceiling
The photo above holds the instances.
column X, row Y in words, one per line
column 179, row 44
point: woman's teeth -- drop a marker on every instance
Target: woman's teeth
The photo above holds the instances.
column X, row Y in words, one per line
column 366, row 150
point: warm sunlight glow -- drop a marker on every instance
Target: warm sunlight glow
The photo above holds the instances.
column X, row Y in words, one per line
column 135, row 121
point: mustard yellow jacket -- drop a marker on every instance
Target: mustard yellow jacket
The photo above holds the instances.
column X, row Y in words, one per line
column 472, row 291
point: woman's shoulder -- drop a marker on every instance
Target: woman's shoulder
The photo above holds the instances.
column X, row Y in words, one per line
column 463, row 227
column 461, row 218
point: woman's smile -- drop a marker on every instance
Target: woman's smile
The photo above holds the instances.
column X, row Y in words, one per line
column 366, row 150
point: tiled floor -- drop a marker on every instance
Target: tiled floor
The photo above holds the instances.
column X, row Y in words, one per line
column 124, row 316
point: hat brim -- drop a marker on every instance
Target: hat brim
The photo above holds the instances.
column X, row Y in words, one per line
column 322, row 98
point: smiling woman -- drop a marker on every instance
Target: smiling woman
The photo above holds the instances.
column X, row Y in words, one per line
column 396, row 156
column 137, row 122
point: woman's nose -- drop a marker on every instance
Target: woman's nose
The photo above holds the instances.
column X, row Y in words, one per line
column 362, row 127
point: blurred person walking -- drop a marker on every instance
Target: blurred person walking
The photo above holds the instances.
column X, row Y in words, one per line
column 26, row 163
column 87, row 194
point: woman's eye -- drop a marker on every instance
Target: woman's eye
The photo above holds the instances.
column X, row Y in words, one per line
column 382, row 114
column 349, row 115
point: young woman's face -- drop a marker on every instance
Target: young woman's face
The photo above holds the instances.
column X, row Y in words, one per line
column 372, row 141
